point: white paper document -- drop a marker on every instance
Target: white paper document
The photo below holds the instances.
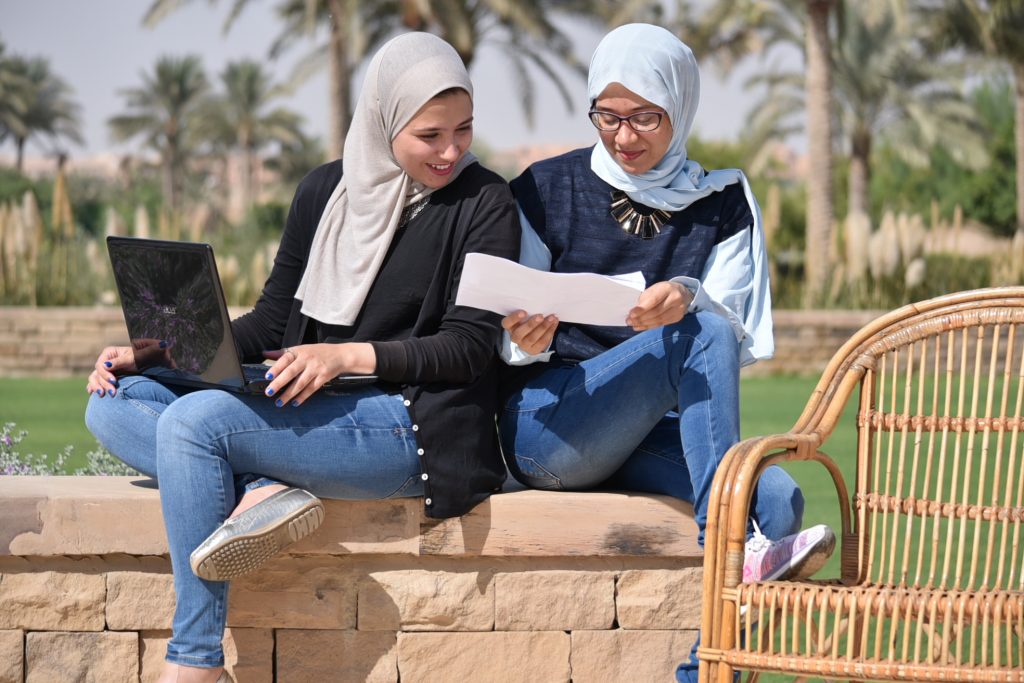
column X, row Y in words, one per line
column 503, row 286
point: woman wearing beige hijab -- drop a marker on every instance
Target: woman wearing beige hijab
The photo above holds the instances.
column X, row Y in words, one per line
column 364, row 282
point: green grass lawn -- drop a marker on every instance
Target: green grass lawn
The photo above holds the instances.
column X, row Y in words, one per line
column 770, row 405
column 51, row 411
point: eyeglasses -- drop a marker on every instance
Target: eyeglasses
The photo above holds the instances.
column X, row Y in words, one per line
column 641, row 122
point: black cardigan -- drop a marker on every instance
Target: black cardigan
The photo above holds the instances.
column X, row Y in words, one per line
column 446, row 369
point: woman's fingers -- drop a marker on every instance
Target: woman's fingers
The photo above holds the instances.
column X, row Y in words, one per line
column 533, row 334
column 510, row 321
column 103, row 378
column 660, row 304
column 297, row 374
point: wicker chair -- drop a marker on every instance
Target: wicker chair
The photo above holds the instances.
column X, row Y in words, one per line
column 931, row 583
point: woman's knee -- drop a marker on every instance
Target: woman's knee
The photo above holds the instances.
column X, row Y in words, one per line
column 103, row 413
column 707, row 329
column 780, row 500
column 714, row 328
column 192, row 416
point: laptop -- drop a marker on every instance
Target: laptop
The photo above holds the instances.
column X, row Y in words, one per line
column 178, row 320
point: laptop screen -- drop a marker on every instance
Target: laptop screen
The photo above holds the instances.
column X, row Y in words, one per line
column 174, row 308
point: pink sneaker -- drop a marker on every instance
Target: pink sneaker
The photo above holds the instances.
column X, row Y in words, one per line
column 793, row 557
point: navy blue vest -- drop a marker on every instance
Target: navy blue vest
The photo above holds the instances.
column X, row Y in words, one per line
column 568, row 206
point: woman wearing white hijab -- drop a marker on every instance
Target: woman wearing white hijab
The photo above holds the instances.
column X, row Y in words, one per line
column 652, row 405
column 364, row 282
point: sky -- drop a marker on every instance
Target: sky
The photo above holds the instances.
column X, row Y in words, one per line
column 100, row 48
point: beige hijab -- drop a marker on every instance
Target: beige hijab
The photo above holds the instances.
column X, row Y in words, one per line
column 363, row 212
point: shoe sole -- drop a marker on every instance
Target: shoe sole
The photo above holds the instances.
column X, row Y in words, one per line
column 243, row 553
column 812, row 559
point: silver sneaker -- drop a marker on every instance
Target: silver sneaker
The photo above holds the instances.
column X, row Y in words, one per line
column 244, row 542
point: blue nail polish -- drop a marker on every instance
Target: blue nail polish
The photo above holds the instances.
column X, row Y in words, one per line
column 163, row 344
column 270, row 392
column 295, row 404
column 101, row 393
column 270, row 375
column 108, row 363
column 278, row 403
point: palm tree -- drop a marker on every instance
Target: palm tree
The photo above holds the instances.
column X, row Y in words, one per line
column 733, row 29
column 818, row 85
column 355, row 29
column 992, row 29
column 45, row 103
column 163, row 112
column 239, row 120
column 13, row 96
column 884, row 84
column 522, row 30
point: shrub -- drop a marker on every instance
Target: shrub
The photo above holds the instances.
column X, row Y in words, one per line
column 98, row 462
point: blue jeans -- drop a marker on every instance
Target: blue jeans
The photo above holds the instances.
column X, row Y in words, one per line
column 356, row 444
column 656, row 413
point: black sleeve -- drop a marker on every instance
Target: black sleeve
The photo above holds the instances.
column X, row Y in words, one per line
column 466, row 340
column 263, row 327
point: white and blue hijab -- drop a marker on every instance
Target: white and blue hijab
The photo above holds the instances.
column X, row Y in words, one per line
column 651, row 62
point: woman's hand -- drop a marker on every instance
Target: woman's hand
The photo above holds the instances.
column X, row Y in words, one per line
column 660, row 304
column 115, row 361
column 299, row 371
column 112, row 361
column 531, row 333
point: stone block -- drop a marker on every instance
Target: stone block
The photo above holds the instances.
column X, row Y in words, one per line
column 249, row 654
column 138, row 601
column 660, row 599
column 51, row 601
column 628, row 656
column 152, row 649
column 55, row 516
column 294, row 593
column 554, row 601
column 12, row 656
column 589, row 523
column 508, row 657
column 417, row 600
column 337, row 656
column 379, row 526
column 87, row 657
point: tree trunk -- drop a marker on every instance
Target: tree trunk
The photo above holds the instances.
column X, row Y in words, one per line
column 20, row 160
column 167, row 181
column 248, row 154
column 341, row 79
column 860, row 173
column 247, row 183
column 818, row 83
column 1018, row 74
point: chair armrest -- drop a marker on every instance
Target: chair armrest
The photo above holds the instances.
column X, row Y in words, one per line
column 731, row 494
column 733, row 489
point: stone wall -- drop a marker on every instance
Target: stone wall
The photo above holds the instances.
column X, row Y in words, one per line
column 61, row 342
column 530, row 586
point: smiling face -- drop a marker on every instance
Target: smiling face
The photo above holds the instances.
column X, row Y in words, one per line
column 635, row 152
column 435, row 139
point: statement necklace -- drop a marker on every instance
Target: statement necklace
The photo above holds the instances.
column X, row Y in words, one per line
column 646, row 225
column 411, row 211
